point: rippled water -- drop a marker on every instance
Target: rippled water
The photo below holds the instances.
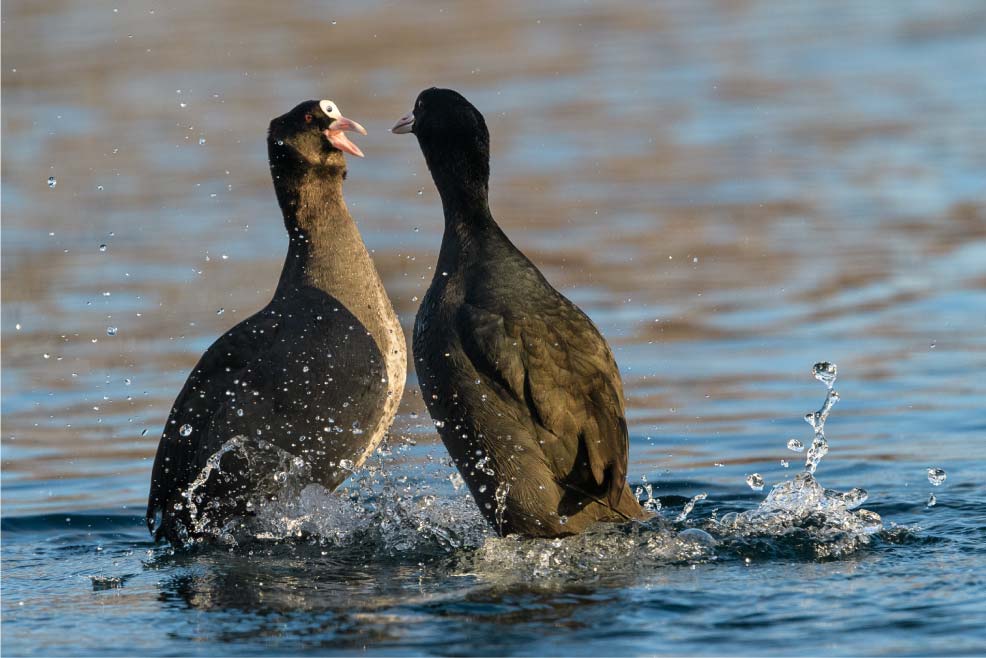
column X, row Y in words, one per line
column 732, row 191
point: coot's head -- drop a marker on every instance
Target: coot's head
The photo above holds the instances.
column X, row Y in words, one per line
column 314, row 132
column 452, row 135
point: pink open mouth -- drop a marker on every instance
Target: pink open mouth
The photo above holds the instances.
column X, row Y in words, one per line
column 336, row 135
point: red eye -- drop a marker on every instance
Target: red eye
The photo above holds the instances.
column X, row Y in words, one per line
column 308, row 118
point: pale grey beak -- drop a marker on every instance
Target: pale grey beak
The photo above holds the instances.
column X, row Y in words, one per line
column 404, row 125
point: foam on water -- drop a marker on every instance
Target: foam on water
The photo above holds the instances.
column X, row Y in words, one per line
column 382, row 511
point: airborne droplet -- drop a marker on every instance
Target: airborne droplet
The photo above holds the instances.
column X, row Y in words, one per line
column 185, row 429
column 825, row 372
column 795, row 445
column 52, row 182
column 755, row 480
column 936, row 476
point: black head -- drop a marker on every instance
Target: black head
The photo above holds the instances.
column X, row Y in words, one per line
column 313, row 133
column 453, row 137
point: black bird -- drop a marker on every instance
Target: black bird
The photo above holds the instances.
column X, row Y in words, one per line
column 523, row 388
column 309, row 384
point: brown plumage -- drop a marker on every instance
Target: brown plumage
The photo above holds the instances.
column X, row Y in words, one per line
column 523, row 388
column 313, row 379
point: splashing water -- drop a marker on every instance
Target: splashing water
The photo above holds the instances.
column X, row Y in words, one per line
column 689, row 506
column 819, row 519
column 824, row 372
column 650, row 503
column 383, row 511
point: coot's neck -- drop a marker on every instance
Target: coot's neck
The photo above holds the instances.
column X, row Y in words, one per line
column 462, row 176
column 325, row 250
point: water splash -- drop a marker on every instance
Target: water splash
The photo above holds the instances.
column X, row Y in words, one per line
column 650, row 502
column 824, row 372
column 689, row 506
column 417, row 511
column 819, row 520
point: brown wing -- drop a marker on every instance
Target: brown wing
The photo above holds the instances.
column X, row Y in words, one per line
column 557, row 369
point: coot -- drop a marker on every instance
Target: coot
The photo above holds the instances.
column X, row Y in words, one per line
column 523, row 388
column 307, row 386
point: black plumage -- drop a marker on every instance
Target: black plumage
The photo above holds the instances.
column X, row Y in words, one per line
column 523, row 388
column 311, row 382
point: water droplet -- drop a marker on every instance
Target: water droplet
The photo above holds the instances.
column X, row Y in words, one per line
column 52, row 182
column 185, row 430
column 304, row 368
column 825, row 372
column 932, row 500
column 562, row 520
column 417, row 229
column 456, row 481
column 482, row 488
column 183, row 104
column 936, row 476
column 755, row 480
column 795, row 445
column 111, row 331
column 439, row 424
column 220, row 311
column 421, row 192
column 690, row 505
column 785, row 463
column 17, row 326
column 855, row 497
column 46, row 355
column 239, row 412
column 99, row 187
column 346, row 464
column 201, row 141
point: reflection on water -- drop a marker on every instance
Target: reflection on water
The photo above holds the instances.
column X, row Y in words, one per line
column 730, row 190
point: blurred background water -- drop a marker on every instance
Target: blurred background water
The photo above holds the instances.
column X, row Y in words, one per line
column 732, row 191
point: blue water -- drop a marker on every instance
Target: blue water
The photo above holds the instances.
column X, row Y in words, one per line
column 732, row 192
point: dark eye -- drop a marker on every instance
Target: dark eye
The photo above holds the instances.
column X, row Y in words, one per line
column 308, row 118
column 328, row 109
